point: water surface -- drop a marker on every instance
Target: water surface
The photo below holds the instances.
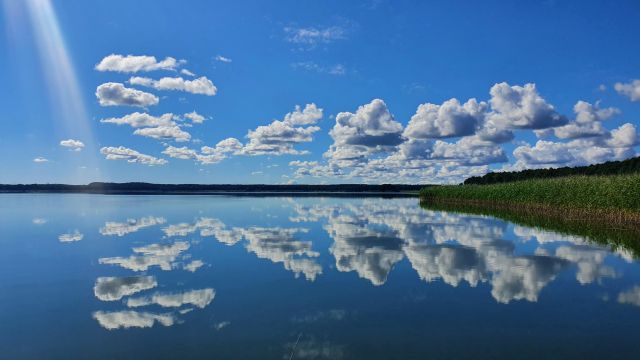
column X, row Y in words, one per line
column 217, row 277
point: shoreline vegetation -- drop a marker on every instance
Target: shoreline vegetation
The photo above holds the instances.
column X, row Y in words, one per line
column 613, row 199
column 599, row 202
column 139, row 188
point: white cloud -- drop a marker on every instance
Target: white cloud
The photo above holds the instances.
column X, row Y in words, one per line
column 576, row 130
column 130, row 155
column 208, row 155
column 451, row 119
column 370, row 129
column 223, row 59
column 587, row 113
column 625, row 136
column 187, row 72
column 280, row 137
column 312, row 36
column 228, row 145
column 521, row 107
column 115, row 94
column 337, row 69
column 588, row 122
column 71, row 237
column 132, row 63
column 630, row 89
column 201, row 85
column 75, row 145
column 543, row 153
column 164, row 133
column 128, row 319
column 183, row 153
column 137, row 120
column 468, row 151
column 115, row 288
column 615, row 145
column 40, row 159
column 195, row 117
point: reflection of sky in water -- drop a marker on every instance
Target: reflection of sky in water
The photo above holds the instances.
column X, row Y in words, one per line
column 310, row 278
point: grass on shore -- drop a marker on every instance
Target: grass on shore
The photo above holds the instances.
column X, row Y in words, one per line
column 612, row 192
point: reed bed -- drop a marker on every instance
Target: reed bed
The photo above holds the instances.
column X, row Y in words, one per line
column 612, row 194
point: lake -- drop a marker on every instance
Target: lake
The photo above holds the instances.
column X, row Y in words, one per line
column 222, row 277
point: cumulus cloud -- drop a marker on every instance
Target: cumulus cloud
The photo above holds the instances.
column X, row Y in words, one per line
column 115, row 288
column 521, row 107
column 588, row 113
column 40, row 159
column 195, row 117
column 116, row 94
column 371, row 129
column 75, row 145
column 132, row 319
column 468, row 151
column 164, row 133
column 630, row 89
column 543, row 153
column 281, row 136
column 451, row 119
column 371, row 146
column 133, row 63
column 617, row 144
column 207, row 155
column 180, row 152
column 201, row 85
column 130, row 155
column 587, row 123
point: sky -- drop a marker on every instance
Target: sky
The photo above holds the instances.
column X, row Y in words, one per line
column 313, row 91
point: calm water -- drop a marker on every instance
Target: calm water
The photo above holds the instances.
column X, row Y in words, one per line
column 168, row 277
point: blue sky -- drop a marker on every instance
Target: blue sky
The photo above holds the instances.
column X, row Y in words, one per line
column 553, row 83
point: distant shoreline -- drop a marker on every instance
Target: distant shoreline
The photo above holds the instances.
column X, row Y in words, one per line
column 394, row 190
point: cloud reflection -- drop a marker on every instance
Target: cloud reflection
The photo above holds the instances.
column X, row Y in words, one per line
column 161, row 255
column 112, row 228
column 371, row 237
column 132, row 319
column 199, row 298
column 115, row 288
